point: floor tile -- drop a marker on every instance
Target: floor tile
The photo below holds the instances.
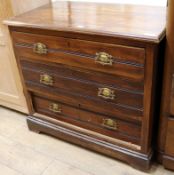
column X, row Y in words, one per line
column 4, row 170
column 167, row 172
column 6, row 145
column 131, row 171
column 13, row 116
column 63, row 151
column 27, row 161
column 10, row 121
column 59, row 168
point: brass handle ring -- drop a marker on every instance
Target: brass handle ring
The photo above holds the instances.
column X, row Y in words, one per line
column 104, row 58
column 55, row 108
column 110, row 124
column 40, row 48
column 106, row 93
column 46, row 79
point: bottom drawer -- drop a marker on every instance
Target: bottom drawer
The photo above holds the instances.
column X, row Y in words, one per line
column 99, row 123
column 169, row 147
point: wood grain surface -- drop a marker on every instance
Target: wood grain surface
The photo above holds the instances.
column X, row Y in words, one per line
column 142, row 22
column 166, row 128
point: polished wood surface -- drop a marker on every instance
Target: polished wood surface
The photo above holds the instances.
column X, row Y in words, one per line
column 123, row 97
column 166, row 131
column 137, row 22
column 170, row 138
column 172, row 97
column 168, row 157
column 94, row 87
column 73, row 91
column 99, row 78
column 69, row 52
column 121, row 69
column 121, row 53
column 124, row 131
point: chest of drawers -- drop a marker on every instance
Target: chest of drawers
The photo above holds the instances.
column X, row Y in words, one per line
column 89, row 74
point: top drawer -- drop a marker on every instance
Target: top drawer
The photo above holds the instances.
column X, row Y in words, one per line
column 110, row 58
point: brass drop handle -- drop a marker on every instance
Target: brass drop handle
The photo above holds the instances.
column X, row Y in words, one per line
column 40, row 48
column 46, row 79
column 54, row 107
column 104, row 58
column 106, row 93
column 110, row 124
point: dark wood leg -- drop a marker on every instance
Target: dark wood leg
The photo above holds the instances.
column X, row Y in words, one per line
column 32, row 127
column 168, row 162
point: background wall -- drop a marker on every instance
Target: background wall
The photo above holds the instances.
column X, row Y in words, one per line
column 21, row 6
column 143, row 2
column 11, row 90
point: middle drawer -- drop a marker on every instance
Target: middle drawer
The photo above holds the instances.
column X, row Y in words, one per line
column 52, row 77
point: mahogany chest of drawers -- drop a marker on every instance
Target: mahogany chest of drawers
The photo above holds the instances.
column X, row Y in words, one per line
column 89, row 74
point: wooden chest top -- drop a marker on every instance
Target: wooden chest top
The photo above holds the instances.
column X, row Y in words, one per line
column 116, row 20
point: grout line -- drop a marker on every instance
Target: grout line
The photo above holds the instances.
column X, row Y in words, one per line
column 47, row 154
column 69, row 164
column 50, row 156
column 11, row 168
column 74, row 166
column 25, row 146
column 51, row 162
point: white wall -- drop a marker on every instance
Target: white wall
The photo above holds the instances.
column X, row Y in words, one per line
column 143, row 2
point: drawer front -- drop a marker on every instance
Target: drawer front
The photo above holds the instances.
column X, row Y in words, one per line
column 123, row 61
column 86, row 103
column 76, row 73
column 101, row 124
column 169, row 147
column 102, row 92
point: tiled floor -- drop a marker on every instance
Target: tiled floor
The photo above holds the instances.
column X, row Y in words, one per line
column 26, row 153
